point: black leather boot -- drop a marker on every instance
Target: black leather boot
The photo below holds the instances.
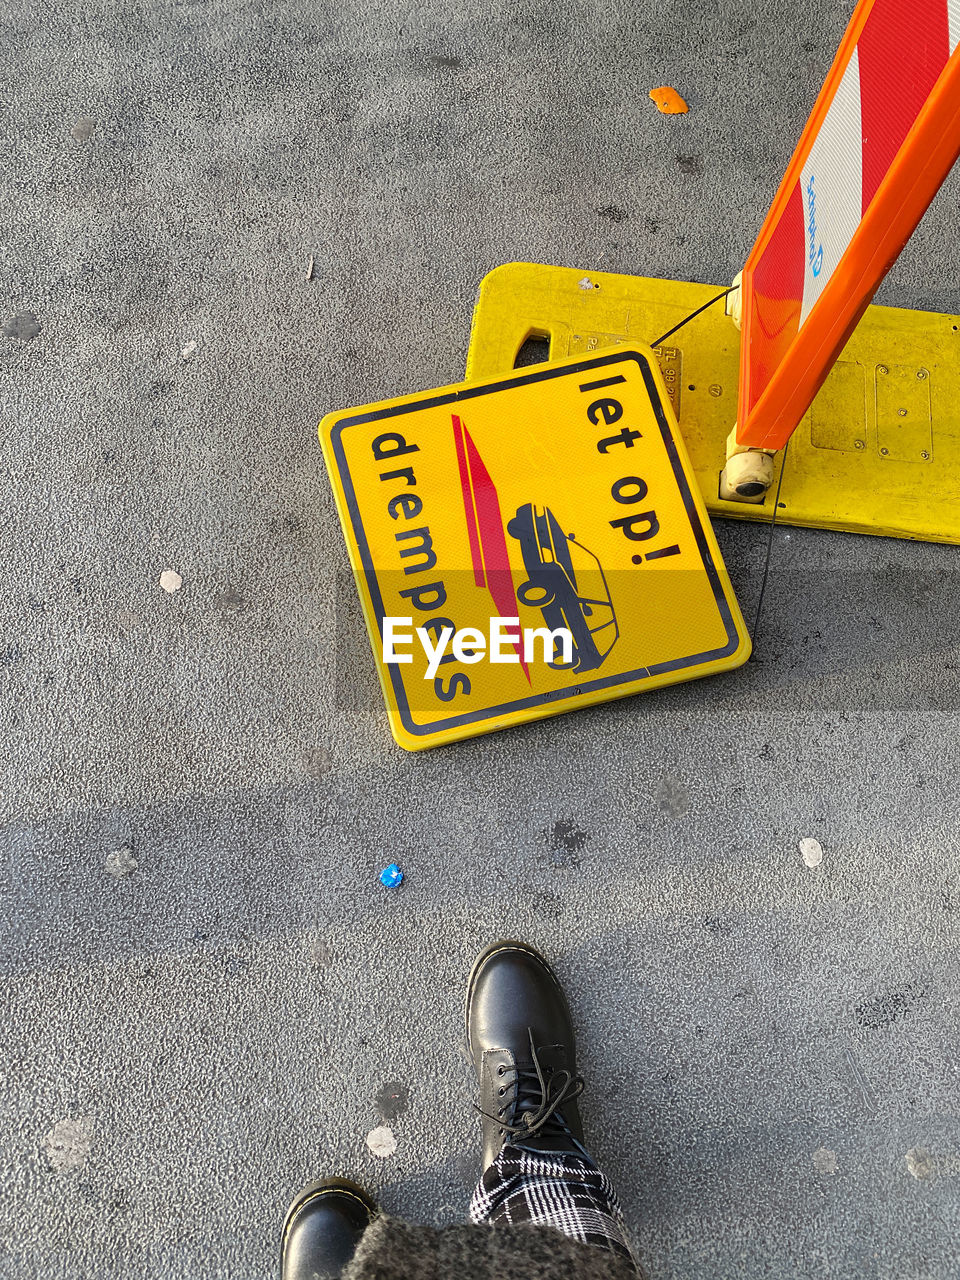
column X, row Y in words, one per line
column 322, row 1229
column 521, row 1039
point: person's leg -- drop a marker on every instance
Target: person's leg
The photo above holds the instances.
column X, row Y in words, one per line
column 535, row 1166
column 322, row 1229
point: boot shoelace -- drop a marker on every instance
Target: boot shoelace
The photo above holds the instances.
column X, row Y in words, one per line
column 539, row 1099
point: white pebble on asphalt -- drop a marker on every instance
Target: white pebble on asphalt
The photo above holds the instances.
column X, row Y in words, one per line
column 920, row 1163
column 812, row 852
column 120, row 862
column 68, row 1144
column 171, row 581
column 825, row 1160
column 382, row 1142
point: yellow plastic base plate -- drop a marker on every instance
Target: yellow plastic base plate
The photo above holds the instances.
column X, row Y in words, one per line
column 552, row 499
column 878, row 451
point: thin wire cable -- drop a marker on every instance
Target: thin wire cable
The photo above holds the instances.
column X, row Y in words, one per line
column 783, row 460
column 766, row 566
column 693, row 315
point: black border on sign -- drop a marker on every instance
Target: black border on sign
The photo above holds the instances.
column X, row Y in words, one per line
column 559, row 695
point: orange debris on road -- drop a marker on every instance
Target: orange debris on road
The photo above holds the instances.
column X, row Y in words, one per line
column 668, row 101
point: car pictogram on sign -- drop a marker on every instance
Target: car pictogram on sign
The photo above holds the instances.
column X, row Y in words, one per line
column 566, row 582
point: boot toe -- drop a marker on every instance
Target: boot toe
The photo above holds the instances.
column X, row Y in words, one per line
column 512, row 991
column 323, row 1228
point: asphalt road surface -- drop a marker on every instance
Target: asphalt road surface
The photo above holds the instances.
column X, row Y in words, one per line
column 207, row 996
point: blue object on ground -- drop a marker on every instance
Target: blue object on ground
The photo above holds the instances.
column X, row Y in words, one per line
column 391, row 876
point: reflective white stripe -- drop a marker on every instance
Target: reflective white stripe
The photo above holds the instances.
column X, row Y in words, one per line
column 832, row 186
column 953, row 22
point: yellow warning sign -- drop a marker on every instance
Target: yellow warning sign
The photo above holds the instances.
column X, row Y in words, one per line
column 529, row 545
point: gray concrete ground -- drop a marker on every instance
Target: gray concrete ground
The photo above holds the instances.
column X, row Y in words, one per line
column 204, row 986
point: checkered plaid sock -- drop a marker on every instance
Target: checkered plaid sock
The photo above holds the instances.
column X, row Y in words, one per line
column 551, row 1189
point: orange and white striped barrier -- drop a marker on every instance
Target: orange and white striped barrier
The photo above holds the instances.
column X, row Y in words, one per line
column 882, row 137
